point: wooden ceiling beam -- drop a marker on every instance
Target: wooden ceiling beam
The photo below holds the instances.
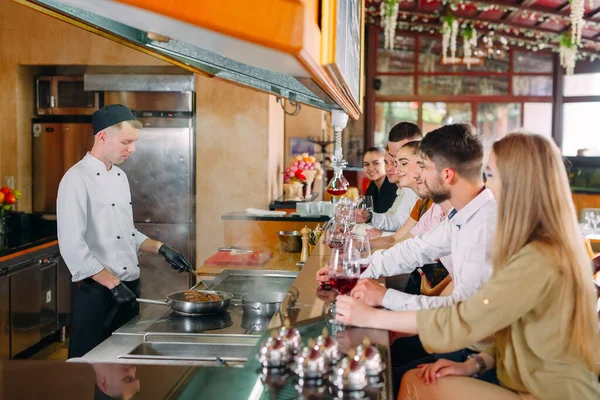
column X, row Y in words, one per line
column 522, row 6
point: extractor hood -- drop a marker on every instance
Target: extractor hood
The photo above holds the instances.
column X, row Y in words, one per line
column 198, row 50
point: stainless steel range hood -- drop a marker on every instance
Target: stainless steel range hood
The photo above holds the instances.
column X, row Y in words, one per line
column 177, row 52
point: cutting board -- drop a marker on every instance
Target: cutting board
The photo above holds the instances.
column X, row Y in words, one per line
column 259, row 257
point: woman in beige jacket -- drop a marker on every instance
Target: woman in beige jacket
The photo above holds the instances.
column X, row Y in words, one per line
column 539, row 303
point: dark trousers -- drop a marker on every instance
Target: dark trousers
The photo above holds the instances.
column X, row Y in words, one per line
column 408, row 353
column 96, row 315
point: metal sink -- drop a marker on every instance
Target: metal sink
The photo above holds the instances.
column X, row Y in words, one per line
column 208, row 353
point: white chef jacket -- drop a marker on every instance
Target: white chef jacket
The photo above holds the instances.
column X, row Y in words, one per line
column 398, row 214
column 466, row 235
column 95, row 221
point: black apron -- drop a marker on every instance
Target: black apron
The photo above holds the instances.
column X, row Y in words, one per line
column 96, row 315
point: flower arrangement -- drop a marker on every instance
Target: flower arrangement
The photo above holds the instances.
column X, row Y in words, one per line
column 300, row 164
column 8, row 198
column 389, row 16
column 568, row 52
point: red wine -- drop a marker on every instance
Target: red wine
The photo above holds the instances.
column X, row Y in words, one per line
column 363, row 266
column 336, row 192
column 342, row 284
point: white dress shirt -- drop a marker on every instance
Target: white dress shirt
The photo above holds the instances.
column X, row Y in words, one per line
column 95, row 221
column 398, row 214
column 467, row 236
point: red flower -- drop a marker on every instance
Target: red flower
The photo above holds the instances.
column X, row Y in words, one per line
column 299, row 175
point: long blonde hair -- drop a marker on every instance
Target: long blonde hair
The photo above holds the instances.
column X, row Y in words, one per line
column 536, row 206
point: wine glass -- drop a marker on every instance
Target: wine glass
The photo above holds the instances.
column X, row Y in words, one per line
column 362, row 244
column 335, row 236
column 366, row 203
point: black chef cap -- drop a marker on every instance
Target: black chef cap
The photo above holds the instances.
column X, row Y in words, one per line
column 109, row 116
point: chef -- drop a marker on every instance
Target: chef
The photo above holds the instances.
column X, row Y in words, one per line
column 96, row 235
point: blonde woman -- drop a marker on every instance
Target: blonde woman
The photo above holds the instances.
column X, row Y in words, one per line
column 539, row 302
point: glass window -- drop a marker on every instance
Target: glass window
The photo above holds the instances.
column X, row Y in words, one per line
column 389, row 114
column 532, row 85
column 401, row 59
column 495, row 120
column 396, row 86
column 582, row 85
column 581, row 129
column 532, row 62
column 439, row 114
column 537, row 118
column 453, row 85
column 430, row 57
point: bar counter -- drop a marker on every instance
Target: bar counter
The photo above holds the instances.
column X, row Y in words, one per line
column 308, row 315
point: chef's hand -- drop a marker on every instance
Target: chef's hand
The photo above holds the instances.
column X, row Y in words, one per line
column 122, row 294
column 370, row 292
column 175, row 258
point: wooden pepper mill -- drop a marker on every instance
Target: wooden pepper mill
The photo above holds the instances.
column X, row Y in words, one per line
column 305, row 237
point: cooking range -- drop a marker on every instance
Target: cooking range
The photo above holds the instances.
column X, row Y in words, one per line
column 232, row 321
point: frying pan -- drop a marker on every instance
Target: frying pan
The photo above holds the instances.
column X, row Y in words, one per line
column 178, row 303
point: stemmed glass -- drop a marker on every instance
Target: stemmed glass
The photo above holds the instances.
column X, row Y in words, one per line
column 365, row 203
column 361, row 244
column 335, row 236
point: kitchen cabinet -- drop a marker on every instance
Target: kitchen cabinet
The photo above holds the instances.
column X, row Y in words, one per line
column 25, row 316
column 4, row 318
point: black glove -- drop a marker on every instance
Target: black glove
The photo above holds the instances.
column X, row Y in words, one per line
column 175, row 258
column 122, row 294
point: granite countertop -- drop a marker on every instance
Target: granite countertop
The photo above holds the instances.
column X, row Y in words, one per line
column 241, row 216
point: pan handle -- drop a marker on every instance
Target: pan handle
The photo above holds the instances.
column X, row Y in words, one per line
column 148, row 301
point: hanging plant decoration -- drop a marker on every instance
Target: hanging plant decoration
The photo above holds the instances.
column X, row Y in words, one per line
column 449, row 33
column 389, row 16
column 567, row 51
column 576, row 16
column 469, row 36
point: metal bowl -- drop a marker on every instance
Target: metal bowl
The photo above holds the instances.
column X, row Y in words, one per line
column 290, row 241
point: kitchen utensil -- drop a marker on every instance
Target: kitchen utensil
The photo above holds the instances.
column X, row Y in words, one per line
column 273, row 353
column 177, row 302
column 263, row 304
column 290, row 241
column 236, row 249
column 254, row 323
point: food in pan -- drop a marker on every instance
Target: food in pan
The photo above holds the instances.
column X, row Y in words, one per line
column 195, row 297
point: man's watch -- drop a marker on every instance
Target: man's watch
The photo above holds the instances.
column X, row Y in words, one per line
column 479, row 362
column 370, row 217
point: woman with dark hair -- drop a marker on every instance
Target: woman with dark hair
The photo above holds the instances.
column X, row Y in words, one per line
column 380, row 188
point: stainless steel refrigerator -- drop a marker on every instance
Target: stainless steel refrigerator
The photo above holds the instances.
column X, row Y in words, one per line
column 161, row 175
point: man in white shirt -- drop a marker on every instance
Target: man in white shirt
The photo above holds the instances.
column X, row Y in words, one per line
column 451, row 170
column 396, row 216
column 96, row 235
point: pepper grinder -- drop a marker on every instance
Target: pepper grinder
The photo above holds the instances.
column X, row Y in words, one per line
column 305, row 237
